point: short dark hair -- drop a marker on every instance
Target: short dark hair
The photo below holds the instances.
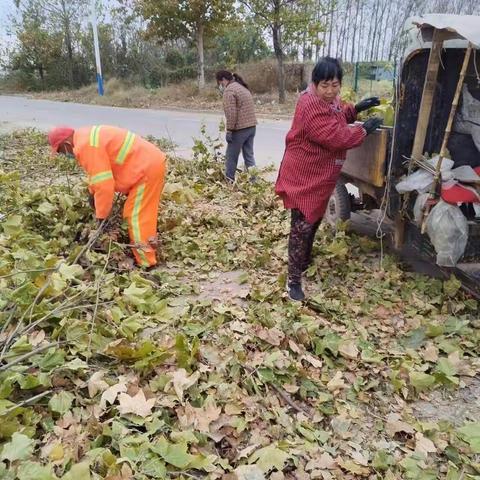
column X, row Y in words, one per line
column 326, row 69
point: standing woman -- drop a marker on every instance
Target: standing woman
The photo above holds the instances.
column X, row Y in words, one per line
column 316, row 148
column 241, row 121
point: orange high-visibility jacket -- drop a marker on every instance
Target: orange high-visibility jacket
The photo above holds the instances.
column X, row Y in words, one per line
column 115, row 160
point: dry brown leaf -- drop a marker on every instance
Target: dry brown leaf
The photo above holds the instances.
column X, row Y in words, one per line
column 96, row 384
column 314, row 361
column 336, row 383
column 424, row 445
column 182, row 381
column 273, row 336
column 291, row 388
column 324, row 462
column 201, row 418
column 348, row 349
column 36, row 338
column 249, row 472
column 430, row 354
column 137, row 405
column 395, row 424
column 111, row 393
column 232, row 409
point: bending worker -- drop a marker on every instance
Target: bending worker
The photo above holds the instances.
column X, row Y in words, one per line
column 117, row 160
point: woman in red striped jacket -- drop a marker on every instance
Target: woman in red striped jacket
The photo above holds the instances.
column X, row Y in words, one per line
column 316, row 147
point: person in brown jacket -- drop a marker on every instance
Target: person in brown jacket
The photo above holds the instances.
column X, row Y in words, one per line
column 241, row 121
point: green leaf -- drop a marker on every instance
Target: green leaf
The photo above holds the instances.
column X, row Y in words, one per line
column 54, row 357
column 382, row 460
column 421, row 381
column 13, row 225
column 34, row 471
column 452, row 286
column 61, row 402
column 80, row 471
column 470, row 433
column 19, row 448
column 69, row 272
column 46, row 208
column 444, row 366
column 173, row 453
column 268, row 458
column 154, row 468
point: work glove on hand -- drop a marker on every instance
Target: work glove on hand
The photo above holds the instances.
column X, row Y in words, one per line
column 91, row 201
column 367, row 103
column 229, row 137
column 372, row 124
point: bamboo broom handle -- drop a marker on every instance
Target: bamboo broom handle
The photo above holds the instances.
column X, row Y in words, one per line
column 448, row 130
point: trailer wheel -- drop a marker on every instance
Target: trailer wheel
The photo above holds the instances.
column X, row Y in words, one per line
column 339, row 205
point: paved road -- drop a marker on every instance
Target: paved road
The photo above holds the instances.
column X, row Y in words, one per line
column 181, row 127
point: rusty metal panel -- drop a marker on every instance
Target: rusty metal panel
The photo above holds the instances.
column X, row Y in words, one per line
column 367, row 162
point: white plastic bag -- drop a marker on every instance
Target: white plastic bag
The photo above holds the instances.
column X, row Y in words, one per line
column 447, row 228
column 467, row 121
column 418, row 207
column 421, row 180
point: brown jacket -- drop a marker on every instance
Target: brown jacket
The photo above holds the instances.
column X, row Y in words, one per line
column 239, row 107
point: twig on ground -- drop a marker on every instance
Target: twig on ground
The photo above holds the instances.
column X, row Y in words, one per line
column 26, row 356
column 97, row 299
column 28, row 401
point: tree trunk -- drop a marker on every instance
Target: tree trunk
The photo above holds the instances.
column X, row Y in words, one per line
column 355, row 30
column 330, row 29
column 68, row 43
column 201, row 58
column 277, row 47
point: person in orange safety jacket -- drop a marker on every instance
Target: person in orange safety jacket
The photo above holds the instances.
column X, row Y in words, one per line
column 117, row 160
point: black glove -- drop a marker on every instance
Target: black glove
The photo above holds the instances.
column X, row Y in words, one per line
column 91, row 201
column 372, row 124
column 366, row 104
column 229, row 137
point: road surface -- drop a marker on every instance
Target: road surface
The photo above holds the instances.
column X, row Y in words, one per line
column 181, row 127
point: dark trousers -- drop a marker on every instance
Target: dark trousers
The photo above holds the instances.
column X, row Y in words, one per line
column 242, row 141
column 300, row 244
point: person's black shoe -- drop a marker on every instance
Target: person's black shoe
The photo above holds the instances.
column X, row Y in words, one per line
column 295, row 292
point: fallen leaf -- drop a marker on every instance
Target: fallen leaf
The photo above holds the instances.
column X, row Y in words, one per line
column 394, row 424
column 182, row 381
column 36, row 338
column 314, row 361
column 20, row 447
column 291, row 388
column 430, row 354
column 111, row 393
column 348, row 349
column 324, row 462
column 268, row 458
column 137, row 405
column 249, row 472
column 96, row 384
column 273, row 336
column 424, row 445
column 201, row 418
column 336, row 383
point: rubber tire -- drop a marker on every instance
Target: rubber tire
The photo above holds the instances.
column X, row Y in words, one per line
column 339, row 206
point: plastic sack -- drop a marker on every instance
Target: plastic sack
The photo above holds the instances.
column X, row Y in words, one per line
column 421, row 180
column 418, row 207
column 447, row 228
column 467, row 121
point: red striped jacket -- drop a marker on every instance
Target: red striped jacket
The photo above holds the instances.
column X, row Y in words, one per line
column 316, row 147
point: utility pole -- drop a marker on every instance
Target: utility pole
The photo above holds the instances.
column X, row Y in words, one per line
column 97, row 48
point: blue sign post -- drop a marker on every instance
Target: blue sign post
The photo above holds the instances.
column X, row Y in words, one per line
column 97, row 49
